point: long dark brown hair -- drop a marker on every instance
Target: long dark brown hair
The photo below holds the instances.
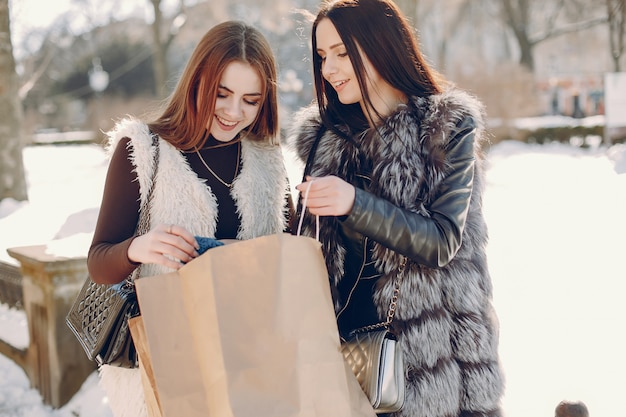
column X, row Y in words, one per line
column 384, row 35
column 183, row 123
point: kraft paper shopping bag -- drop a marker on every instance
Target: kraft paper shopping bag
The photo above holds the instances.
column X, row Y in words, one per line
column 178, row 381
column 261, row 338
column 138, row 332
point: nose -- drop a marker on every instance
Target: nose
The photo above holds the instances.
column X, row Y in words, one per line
column 329, row 67
column 233, row 108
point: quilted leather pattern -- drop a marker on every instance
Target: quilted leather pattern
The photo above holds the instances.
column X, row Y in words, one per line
column 99, row 319
column 376, row 361
column 362, row 353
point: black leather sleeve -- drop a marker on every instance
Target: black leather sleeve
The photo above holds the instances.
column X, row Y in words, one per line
column 432, row 241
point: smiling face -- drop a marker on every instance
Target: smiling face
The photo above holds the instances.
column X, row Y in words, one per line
column 338, row 70
column 239, row 99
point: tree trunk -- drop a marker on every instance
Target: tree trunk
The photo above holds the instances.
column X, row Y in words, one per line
column 517, row 17
column 159, row 63
column 527, row 60
column 616, row 11
column 12, row 176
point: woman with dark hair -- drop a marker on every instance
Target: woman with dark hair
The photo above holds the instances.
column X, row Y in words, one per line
column 395, row 173
column 220, row 174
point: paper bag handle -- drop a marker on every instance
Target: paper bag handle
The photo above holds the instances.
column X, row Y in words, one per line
column 317, row 218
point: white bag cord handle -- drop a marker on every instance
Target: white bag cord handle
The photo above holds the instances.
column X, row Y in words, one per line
column 317, row 218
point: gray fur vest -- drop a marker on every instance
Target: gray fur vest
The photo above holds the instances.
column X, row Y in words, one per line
column 444, row 318
column 259, row 190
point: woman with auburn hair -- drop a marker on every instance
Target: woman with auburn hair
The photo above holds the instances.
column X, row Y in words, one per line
column 395, row 171
column 220, row 175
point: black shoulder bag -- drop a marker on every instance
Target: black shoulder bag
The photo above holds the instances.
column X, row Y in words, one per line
column 99, row 316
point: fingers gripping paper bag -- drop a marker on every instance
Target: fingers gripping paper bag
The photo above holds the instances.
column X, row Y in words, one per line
column 259, row 337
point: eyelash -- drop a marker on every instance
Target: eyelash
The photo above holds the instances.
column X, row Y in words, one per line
column 250, row 103
column 343, row 55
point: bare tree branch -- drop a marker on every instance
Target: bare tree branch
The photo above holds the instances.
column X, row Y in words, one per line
column 517, row 15
column 563, row 30
column 32, row 80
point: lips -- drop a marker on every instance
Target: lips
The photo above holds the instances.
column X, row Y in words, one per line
column 338, row 85
column 225, row 124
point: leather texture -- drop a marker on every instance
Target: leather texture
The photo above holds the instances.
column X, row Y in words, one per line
column 99, row 320
column 377, row 362
column 432, row 244
column 446, row 317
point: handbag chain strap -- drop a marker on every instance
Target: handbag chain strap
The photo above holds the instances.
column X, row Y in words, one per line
column 393, row 304
column 144, row 211
column 394, row 299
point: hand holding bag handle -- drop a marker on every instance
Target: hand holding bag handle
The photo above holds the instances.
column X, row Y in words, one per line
column 317, row 218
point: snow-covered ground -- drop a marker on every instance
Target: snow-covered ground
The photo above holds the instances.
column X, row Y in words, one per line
column 557, row 219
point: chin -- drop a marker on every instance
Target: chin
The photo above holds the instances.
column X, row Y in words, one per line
column 224, row 136
column 348, row 100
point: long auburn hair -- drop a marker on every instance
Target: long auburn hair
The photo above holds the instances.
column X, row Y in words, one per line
column 183, row 122
column 384, row 35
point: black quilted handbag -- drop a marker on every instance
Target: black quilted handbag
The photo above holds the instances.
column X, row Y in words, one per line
column 99, row 315
column 99, row 320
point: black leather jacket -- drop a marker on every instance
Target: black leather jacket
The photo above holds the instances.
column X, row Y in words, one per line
column 425, row 195
column 431, row 240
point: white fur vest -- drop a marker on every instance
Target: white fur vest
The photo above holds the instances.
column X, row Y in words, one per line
column 180, row 197
column 444, row 317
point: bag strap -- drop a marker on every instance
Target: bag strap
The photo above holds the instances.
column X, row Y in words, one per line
column 393, row 304
column 143, row 225
column 309, row 160
column 317, row 218
column 144, row 211
column 307, row 166
column 396, row 294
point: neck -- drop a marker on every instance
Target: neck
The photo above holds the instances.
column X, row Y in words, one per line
column 383, row 103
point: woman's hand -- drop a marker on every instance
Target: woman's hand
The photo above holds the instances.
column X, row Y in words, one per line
column 328, row 196
column 167, row 244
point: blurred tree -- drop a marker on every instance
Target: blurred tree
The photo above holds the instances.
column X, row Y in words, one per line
column 523, row 17
column 128, row 64
column 12, row 176
column 410, row 9
column 162, row 39
column 616, row 12
column 449, row 24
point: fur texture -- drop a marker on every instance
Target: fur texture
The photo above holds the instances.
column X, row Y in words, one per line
column 180, row 197
column 446, row 324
